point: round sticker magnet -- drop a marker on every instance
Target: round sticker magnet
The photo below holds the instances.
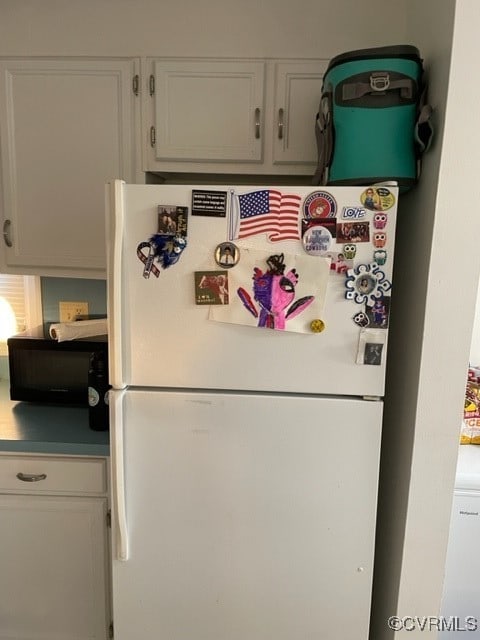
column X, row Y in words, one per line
column 377, row 199
column 227, row 255
column 319, row 204
column 317, row 240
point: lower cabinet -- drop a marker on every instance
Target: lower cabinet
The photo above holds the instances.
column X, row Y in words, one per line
column 54, row 579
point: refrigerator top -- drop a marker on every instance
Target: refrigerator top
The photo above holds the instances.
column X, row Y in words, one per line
column 306, row 313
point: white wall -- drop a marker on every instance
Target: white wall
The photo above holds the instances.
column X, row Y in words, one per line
column 436, row 282
column 475, row 346
column 263, row 28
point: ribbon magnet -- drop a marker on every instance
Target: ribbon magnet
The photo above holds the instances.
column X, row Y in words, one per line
column 163, row 248
column 166, row 246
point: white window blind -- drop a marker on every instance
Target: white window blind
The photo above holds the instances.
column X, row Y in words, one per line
column 12, row 288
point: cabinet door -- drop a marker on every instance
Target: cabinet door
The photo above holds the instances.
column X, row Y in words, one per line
column 53, row 559
column 208, row 111
column 66, row 128
column 298, row 88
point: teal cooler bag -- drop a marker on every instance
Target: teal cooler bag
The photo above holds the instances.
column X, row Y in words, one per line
column 373, row 124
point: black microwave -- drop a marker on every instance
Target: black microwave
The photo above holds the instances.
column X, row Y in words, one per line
column 54, row 372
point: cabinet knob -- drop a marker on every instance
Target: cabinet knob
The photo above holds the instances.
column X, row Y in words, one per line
column 6, row 233
column 280, row 124
column 257, row 123
column 31, row 477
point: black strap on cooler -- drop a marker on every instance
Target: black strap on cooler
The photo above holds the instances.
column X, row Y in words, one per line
column 324, row 134
column 423, row 132
column 380, row 82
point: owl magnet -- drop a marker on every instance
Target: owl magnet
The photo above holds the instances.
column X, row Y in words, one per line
column 380, row 220
column 379, row 240
column 380, row 257
column 361, row 319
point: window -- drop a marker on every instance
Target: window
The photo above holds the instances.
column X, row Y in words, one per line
column 22, row 293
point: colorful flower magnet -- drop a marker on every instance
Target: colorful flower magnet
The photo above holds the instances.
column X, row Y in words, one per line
column 365, row 283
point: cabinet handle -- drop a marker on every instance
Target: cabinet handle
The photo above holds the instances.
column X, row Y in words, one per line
column 153, row 137
column 257, row 123
column 6, row 233
column 136, row 84
column 280, row 124
column 31, row 477
column 118, row 474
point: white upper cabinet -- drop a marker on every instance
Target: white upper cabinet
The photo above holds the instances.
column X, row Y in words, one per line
column 232, row 116
column 297, row 98
column 66, row 128
column 208, row 110
column 70, row 125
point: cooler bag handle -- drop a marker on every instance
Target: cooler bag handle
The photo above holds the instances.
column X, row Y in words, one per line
column 379, row 83
column 324, row 136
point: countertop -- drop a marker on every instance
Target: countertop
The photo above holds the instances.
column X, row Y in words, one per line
column 35, row 428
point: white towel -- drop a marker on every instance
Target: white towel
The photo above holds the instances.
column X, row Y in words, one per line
column 62, row 331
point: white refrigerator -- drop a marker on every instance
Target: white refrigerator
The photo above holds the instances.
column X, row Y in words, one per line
column 246, row 407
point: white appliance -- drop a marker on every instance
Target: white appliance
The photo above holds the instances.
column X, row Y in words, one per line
column 244, row 459
column 461, row 593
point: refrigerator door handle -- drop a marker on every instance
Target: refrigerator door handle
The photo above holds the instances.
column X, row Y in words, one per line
column 114, row 232
column 118, row 474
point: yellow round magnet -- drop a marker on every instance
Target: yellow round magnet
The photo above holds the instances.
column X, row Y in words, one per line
column 317, row 326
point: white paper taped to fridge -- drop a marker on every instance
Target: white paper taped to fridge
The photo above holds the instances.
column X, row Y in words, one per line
column 278, row 291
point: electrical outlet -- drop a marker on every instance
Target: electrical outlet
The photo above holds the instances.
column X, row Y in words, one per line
column 71, row 311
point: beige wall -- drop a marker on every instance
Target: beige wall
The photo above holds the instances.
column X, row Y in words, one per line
column 263, row 28
column 436, row 280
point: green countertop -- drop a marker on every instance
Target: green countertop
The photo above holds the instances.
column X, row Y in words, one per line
column 35, row 428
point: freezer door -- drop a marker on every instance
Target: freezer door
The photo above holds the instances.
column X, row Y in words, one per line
column 160, row 337
column 246, row 516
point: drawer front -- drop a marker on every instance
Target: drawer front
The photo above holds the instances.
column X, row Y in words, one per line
column 38, row 474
